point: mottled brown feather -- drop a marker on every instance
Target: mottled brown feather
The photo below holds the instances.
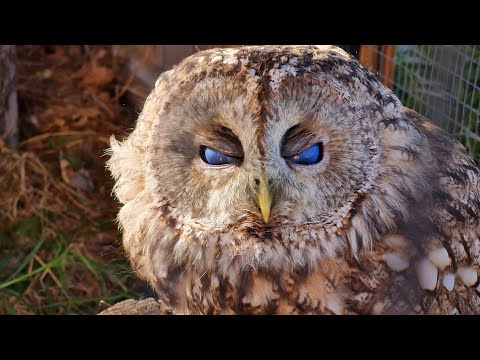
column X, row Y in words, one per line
column 387, row 222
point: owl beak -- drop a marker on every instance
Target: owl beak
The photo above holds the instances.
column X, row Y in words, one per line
column 264, row 198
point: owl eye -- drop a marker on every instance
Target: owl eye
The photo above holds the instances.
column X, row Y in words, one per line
column 309, row 156
column 214, row 157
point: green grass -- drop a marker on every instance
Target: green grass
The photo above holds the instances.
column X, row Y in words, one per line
column 42, row 271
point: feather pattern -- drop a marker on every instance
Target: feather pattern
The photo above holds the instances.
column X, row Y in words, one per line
column 386, row 222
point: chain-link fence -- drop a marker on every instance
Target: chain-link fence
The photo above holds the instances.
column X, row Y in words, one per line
column 442, row 82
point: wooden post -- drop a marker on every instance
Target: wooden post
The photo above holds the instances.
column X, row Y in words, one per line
column 388, row 61
column 8, row 96
column 368, row 57
column 381, row 65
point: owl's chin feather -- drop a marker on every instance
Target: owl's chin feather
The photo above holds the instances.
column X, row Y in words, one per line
column 203, row 271
column 160, row 238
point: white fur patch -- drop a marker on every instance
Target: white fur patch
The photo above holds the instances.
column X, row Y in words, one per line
column 440, row 258
column 216, row 59
column 427, row 274
column 335, row 304
column 395, row 261
column 468, row 275
column 260, row 294
column 278, row 73
column 448, row 281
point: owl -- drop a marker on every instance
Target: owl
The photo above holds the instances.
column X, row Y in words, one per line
column 289, row 180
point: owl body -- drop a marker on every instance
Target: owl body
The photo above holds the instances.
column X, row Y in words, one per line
column 327, row 196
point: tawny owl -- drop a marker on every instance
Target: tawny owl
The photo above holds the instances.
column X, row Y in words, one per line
column 289, row 180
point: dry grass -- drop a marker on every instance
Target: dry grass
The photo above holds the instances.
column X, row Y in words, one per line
column 60, row 249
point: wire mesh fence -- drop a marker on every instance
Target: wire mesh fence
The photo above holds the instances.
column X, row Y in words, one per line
column 442, row 82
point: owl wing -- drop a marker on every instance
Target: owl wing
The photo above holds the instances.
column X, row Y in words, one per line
column 448, row 267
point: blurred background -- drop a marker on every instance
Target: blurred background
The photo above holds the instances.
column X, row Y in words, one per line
column 60, row 249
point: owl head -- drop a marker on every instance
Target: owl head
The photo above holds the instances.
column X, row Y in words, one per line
column 262, row 157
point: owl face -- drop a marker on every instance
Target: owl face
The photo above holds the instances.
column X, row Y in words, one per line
column 294, row 165
column 263, row 157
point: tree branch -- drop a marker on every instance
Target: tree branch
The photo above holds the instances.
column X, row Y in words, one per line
column 148, row 306
column 8, row 96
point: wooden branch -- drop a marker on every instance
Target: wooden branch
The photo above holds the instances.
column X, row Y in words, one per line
column 8, row 96
column 148, row 306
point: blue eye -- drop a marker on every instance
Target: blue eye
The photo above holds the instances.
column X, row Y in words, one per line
column 214, row 157
column 309, row 156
